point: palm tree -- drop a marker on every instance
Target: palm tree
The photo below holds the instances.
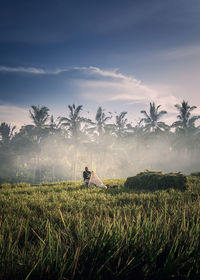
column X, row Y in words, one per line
column 101, row 120
column 186, row 122
column 6, row 132
column 53, row 126
column 120, row 126
column 151, row 120
column 74, row 121
column 39, row 115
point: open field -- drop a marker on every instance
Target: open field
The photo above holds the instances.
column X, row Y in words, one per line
column 60, row 231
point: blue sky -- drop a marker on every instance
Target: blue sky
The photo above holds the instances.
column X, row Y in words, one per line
column 117, row 54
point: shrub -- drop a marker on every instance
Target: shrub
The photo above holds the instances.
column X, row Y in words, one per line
column 152, row 180
column 196, row 174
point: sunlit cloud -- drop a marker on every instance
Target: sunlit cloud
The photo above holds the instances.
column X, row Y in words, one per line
column 110, row 86
column 117, row 87
column 104, row 87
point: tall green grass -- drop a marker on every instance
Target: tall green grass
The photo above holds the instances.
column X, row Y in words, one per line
column 60, row 231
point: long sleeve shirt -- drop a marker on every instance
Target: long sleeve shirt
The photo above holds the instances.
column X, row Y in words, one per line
column 86, row 174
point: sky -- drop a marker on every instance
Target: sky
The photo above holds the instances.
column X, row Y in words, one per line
column 118, row 54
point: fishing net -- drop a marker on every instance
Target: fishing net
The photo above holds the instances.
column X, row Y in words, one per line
column 95, row 181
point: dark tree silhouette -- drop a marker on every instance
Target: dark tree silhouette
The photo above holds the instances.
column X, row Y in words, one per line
column 6, row 132
column 186, row 122
column 151, row 120
column 101, row 120
column 39, row 115
column 120, row 127
column 51, row 150
column 74, row 121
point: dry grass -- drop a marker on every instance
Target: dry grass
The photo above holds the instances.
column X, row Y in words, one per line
column 60, row 231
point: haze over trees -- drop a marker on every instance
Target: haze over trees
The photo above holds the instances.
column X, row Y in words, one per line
column 50, row 150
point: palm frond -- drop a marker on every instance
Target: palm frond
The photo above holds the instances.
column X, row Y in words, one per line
column 177, row 124
column 77, row 110
column 163, row 125
column 146, row 121
column 122, row 115
column 147, row 127
column 145, row 113
column 86, row 120
column 192, row 120
column 71, row 114
column 192, row 108
column 106, row 118
column 98, row 114
column 161, row 113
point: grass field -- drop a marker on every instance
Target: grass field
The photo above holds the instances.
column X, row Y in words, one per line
column 60, row 231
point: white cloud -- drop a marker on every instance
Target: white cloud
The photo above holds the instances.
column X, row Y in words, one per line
column 106, row 87
column 14, row 115
column 111, row 73
column 113, row 86
column 31, row 70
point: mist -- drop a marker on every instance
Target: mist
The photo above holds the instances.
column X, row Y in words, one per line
column 57, row 159
column 113, row 148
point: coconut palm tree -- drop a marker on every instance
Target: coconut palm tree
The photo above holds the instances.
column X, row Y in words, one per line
column 151, row 120
column 74, row 121
column 53, row 126
column 6, row 132
column 120, row 126
column 101, row 120
column 39, row 115
column 186, row 122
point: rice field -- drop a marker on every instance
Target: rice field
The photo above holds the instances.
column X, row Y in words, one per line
column 63, row 231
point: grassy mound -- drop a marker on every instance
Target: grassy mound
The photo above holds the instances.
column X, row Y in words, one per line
column 157, row 180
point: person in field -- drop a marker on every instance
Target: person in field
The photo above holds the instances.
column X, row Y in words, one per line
column 91, row 180
column 95, row 181
column 86, row 176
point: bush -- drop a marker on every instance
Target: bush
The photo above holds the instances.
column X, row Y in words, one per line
column 196, row 174
column 157, row 180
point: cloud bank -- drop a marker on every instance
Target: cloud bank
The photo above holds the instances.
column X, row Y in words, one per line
column 103, row 86
column 111, row 86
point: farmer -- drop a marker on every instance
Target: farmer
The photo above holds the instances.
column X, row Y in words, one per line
column 86, row 176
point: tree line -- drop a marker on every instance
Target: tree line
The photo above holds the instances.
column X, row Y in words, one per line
column 50, row 149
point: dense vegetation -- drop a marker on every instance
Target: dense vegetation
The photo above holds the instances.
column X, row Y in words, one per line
column 60, row 231
column 151, row 180
column 50, row 150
